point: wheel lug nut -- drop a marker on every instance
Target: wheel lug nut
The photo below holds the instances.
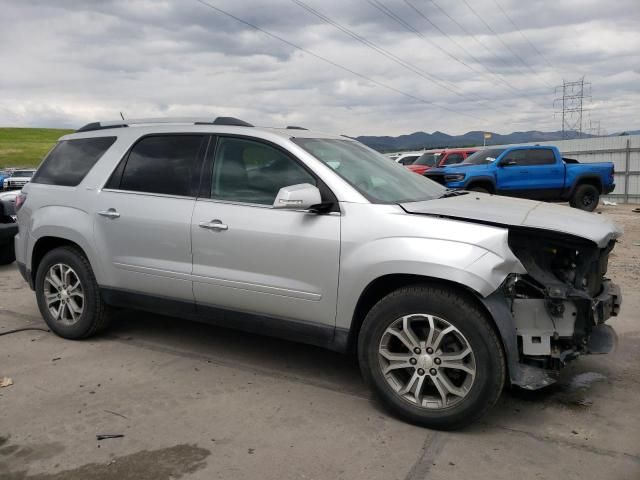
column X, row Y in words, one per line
column 429, row 350
column 416, row 351
column 433, row 371
column 413, row 361
column 437, row 361
column 420, row 371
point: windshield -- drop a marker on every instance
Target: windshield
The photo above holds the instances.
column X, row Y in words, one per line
column 429, row 159
column 484, row 156
column 372, row 174
column 23, row 173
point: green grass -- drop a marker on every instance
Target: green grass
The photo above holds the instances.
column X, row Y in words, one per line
column 25, row 147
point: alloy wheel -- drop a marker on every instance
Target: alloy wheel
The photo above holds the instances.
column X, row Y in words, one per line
column 63, row 294
column 427, row 361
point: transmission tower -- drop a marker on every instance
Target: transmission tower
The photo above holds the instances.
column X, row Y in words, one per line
column 570, row 98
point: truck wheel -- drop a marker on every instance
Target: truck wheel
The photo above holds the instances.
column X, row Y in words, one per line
column 7, row 253
column 585, row 197
column 68, row 295
column 431, row 357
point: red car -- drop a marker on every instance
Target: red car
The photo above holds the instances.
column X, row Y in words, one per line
column 439, row 158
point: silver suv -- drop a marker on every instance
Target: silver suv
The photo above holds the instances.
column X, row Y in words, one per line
column 445, row 296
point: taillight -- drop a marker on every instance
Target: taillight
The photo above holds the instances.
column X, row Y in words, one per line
column 20, row 199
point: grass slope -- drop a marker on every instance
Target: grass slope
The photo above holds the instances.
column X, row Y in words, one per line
column 25, row 147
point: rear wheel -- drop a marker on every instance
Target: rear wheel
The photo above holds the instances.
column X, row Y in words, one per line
column 68, row 295
column 585, row 197
column 431, row 357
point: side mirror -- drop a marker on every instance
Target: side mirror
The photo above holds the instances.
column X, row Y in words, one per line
column 297, row 197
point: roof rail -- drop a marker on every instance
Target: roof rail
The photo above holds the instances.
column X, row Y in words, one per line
column 169, row 120
column 294, row 127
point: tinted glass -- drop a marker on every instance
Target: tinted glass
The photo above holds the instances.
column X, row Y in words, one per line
column 252, row 172
column 70, row 161
column 23, row 173
column 454, row 158
column 430, row 159
column 529, row 157
column 166, row 164
column 374, row 176
column 484, row 156
column 408, row 160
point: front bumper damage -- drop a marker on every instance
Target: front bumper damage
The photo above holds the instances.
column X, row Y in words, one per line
column 557, row 311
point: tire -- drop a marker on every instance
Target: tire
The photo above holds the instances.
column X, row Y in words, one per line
column 94, row 315
column 7, row 253
column 585, row 197
column 479, row 189
column 476, row 393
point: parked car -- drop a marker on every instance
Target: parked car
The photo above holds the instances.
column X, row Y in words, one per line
column 8, row 227
column 445, row 296
column 537, row 172
column 407, row 158
column 17, row 179
column 440, row 158
column 3, row 174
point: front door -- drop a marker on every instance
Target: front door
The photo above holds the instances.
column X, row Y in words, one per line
column 143, row 217
column 249, row 257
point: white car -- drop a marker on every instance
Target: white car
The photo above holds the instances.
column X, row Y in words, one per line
column 18, row 179
column 407, row 158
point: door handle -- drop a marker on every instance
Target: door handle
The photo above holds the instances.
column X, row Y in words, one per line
column 213, row 225
column 110, row 213
column 524, row 172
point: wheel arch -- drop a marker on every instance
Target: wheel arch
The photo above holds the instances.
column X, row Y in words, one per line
column 44, row 245
column 485, row 182
column 493, row 306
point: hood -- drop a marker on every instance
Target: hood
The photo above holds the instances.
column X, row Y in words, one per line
column 515, row 212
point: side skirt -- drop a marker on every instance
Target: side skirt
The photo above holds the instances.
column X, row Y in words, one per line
column 324, row 336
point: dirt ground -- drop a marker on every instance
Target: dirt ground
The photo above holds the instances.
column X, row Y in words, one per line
column 199, row 402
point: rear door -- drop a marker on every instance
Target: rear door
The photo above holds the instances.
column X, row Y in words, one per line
column 143, row 216
column 250, row 257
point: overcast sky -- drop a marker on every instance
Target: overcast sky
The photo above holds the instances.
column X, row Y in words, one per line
column 64, row 63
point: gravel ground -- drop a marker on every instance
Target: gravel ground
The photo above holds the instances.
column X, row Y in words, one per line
column 199, row 402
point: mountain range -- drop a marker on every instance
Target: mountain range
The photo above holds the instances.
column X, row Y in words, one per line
column 421, row 140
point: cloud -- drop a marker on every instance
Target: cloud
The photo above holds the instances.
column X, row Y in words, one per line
column 72, row 62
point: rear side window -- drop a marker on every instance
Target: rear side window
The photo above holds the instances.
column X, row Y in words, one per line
column 528, row 157
column 70, row 161
column 165, row 164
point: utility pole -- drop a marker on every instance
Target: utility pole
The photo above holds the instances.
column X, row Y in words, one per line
column 570, row 98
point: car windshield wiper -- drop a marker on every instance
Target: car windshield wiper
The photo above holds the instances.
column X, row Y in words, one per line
column 450, row 192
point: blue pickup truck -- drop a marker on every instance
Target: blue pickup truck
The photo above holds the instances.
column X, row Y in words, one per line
column 535, row 172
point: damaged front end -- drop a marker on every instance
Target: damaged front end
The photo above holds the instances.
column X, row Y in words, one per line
column 561, row 305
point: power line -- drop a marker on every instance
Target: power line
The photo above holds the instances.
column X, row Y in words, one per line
column 404, row 63
column 515, row 54
column 331, row 62
column 522, row 33
column 453, row 40
column 391, row 14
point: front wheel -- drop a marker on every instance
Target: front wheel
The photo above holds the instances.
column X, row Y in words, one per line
column 431, row 356
column 585, row 197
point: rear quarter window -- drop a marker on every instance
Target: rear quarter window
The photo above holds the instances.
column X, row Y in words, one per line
column 70, row 161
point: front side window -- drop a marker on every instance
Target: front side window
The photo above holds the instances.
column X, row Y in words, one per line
column 374, row 176
column 247, row 171
column 484, row 157
column 70, row 161
column 454, row 158
column 408, row 160
column 428, row 159
column 164, row 164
